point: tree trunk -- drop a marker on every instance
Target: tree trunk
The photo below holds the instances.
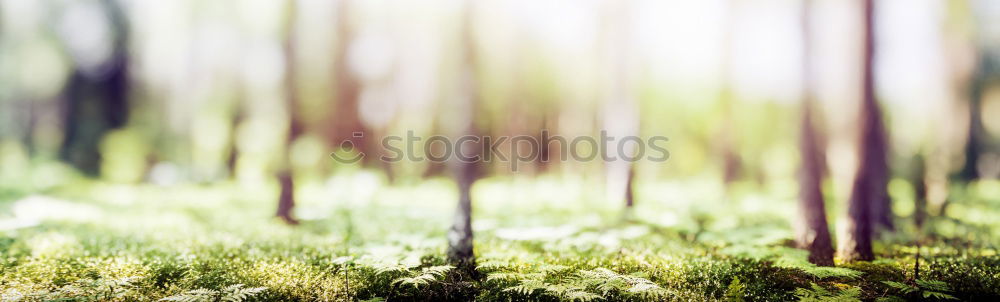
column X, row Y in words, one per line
column 976, row 132
column 868, row 204
column 465, row 173
column 95, row 104
column 876, row 137
column 620, row 112
column 815, row 235
column 815, row 232
column 285, row 175
column 917, row 178
column 732, row 163
column 460, row 242
column 630, row 187
column 345, row 124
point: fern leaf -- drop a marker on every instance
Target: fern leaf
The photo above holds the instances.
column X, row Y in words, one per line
column 901, row 287
column 493, row 265
column 503, row 277
column 387, row 268
column 934, row 285
column 552, row 268
column 527, row 287
column 849, row 294
column 581, row 296
column 237, row 293
column 197, row 295
column 938, row 295
column 438, row 271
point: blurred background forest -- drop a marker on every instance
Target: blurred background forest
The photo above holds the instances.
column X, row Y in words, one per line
column 159, row 138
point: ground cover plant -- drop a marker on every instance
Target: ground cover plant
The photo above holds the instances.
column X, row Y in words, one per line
column 198, row 243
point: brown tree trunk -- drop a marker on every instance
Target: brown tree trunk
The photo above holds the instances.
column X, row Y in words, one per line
column 630, row 187
column 465, row 173
column 285, row 175
column 815, row 235
column 815, row 232
column 868, row 204
column 732, row 163
column 976, row 132
column 345, row 124
column 238, row 115
column 876, row 140
column 917, row 178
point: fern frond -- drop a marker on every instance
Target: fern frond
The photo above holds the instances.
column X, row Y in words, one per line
column 493, row 265
column 552, row 268
column 197, row 295
column 383, row 268
column 238, row 293
column 527, row 287
column 231, row 293
column 933, row 285
column 503, row 277
column 817, row 293
column 438, row 271
column 901, row 287
column 938, row 295
column 849, row 294
column 579, row 295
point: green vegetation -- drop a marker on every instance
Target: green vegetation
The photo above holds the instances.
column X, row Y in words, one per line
column 94, row 241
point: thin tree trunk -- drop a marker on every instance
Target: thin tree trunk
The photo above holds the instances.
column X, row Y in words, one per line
column 460, row 236
column 30, row 122
column 285, row 175
column 815, row 232
column 866, row 208
column 876, row 141
column 815, row 236
column 620, row 114
column 974, row 143
column 732, row 163
column 238, row 115
column 345, row 124
column 630, row 187
column 919, row 190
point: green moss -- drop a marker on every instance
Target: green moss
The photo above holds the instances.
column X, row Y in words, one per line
column 216, row 238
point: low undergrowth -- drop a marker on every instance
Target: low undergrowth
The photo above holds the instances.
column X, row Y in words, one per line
column 198, row 245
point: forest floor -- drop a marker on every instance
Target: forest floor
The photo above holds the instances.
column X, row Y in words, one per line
column 544, row 239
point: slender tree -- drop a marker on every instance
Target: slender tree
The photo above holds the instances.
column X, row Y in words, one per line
column 815, row 232
column 732, row 164
column 620, row 114
column 346, row 124
column 918, row 174
column 285, row 175
column 976, row 135
column 464, row 170
column 868, row 205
